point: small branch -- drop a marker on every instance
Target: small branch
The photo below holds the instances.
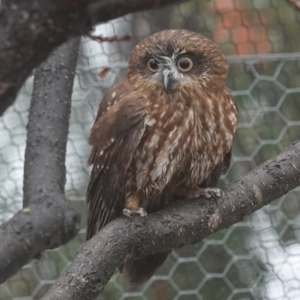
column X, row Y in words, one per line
column 183, row 223
column 295, row 4
column 48, row 219
column 111, row 39
column 31, row 30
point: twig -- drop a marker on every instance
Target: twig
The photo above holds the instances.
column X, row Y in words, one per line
column 295, row 3
column 111, row 39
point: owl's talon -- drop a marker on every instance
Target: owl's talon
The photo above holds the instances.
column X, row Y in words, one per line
column 140, row 211
column 126, row 213
column 210, row 192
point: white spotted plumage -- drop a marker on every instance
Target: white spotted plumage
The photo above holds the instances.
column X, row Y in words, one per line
column 162, row 133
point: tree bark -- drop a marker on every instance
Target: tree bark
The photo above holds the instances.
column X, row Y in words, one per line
column 48, row 219
column 31, row 30
column 182, row 223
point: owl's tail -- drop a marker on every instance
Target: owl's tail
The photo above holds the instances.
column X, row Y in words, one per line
column 139, row 271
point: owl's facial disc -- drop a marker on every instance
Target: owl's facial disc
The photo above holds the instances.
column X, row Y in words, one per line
column 167, row 76
column 170, row 70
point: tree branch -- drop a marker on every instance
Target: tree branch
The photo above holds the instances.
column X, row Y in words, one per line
column 295, row 4
column 31, row 30
column 183, row 223
column 48, row 219
column 48, row 124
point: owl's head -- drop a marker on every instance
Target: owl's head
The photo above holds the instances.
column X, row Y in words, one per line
column 170, row 59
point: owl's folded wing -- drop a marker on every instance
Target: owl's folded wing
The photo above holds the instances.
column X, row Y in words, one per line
column 114, row 137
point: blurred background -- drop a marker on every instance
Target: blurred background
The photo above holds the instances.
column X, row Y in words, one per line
column 255, row 259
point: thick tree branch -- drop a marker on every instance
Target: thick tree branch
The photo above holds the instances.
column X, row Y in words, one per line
column 31, row 30
column 48, row 126
column 182, row 223
column 48, row 219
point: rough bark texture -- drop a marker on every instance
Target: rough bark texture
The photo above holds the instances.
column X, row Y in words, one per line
column 182, row 223
column 31, row 30
column 48, row 126
column 48, row 219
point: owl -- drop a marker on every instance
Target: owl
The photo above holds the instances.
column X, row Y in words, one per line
column 162, row 134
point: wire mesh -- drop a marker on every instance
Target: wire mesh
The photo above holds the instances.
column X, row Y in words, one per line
column 258, row 258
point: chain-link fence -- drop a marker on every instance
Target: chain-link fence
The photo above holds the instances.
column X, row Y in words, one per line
column 255, row 259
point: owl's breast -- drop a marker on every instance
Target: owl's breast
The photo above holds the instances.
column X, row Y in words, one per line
column 161, row 152
column 180, row 147
column 166, row 150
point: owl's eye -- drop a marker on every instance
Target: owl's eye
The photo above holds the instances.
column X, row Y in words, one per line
column 152, row 65
column 185, row 64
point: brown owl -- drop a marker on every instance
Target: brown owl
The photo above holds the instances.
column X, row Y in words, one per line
column 163, row 133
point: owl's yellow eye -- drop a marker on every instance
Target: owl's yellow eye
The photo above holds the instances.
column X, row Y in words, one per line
column 152, row 65
column 185, row 64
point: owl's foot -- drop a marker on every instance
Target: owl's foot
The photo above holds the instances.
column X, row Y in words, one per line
column 139, row 211
column 210, row 192
column 132, row 207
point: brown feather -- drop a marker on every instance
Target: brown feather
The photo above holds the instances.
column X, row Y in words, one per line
column 115, row 136
column 158, row 146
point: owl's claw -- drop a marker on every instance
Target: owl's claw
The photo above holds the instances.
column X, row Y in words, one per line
column 140, row 211
column 210, row 192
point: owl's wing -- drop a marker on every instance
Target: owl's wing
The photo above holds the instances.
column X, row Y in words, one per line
column 221, row 168
column 115, row 135
column 224, row 165
column 226, row 162
column 227, row 157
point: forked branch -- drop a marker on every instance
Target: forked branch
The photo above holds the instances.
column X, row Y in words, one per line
column 31, row 30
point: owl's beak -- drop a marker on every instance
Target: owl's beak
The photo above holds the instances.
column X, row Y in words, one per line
column 168, row 79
